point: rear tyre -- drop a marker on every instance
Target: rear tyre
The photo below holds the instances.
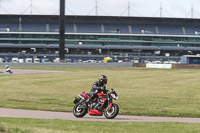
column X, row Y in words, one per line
column 112, row 113
column 79, row 112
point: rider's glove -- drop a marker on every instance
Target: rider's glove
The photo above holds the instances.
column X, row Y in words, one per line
column 102, row 88
column 96, row 91
column 106, row 90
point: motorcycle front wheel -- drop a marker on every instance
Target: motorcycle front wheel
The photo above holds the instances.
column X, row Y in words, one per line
column 79, row 112
column 112, row 112
column 10, row 72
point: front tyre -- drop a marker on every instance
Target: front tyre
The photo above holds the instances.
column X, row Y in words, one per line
column 79, row 112
column 112, row 112
column 10, row 72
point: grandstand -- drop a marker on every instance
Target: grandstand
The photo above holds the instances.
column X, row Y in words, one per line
column 99, row 36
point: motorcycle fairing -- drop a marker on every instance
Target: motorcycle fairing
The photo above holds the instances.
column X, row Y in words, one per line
column 101, row 94
column 84, row 94
column 95, row 112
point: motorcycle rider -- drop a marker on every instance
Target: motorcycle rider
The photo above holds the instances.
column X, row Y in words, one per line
column 97, row 87
column 8, row 69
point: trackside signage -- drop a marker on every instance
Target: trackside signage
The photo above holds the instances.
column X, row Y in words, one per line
column 167, row 66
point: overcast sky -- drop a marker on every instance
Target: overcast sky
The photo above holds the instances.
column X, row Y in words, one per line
column 145, row 8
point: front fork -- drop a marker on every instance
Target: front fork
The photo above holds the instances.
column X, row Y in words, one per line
column 110, row 103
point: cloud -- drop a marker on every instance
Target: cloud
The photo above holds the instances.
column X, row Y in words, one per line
column 24, row 6
column 179, row 8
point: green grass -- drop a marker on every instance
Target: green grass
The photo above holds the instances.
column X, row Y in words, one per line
column 153, row 92
column 14, row 125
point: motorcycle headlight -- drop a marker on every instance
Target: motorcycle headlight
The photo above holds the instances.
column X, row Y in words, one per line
column 114, row 96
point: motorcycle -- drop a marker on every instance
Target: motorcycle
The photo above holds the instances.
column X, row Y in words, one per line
column 9, row 70
column 103, row 104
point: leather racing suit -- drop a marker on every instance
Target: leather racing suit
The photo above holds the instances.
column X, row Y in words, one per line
column 97, row 87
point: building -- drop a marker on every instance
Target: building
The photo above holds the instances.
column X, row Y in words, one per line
column 190, row 59
column 99, row 36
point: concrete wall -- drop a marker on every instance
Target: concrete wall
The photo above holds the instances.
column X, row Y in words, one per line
column 181, row 66
column 166, row 66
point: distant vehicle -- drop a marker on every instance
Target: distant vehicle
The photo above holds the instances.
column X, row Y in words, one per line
column 68, row 60
column 1, row 60
column 173, row 62
column 21, row 60
column 36, row 60
column 15, row 60
column 100, row 61
column 156, row 62
column 85, row 61
column 6, row 59
column 135, row 61
column 170, row 62
column 146, row 61
column 107, row 59
column 90, row 61
column 29, row 60
column 80, row 61
column 120, row 61
column 45, row 60
column 56, row 60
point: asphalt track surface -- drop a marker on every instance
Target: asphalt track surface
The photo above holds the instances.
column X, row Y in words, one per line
column 20, row 113
column 22, row 71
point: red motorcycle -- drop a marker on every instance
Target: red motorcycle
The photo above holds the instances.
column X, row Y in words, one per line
column 103, row 104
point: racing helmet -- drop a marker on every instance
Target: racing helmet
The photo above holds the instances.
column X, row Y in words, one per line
column 103, row 79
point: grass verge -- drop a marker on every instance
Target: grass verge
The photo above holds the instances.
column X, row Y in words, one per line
column 153, row 92
column 19, row 125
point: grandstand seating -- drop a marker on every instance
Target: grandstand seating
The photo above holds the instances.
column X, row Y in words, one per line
column 116, row 28
column 9, row 27
column 88, row 28
column 33, row 27
column 174, row 30
column 143, row 29
column 100, row 28
column 192, row 30
column 53, row 27
column 69, row 28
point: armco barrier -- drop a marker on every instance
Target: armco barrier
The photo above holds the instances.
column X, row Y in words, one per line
column 186, row 66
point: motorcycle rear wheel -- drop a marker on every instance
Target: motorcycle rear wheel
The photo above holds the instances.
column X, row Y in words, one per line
column 79, row 112
column 112, row 113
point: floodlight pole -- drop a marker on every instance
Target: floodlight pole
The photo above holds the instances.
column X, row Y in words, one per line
column 192, row 11
column 62, row 31
column 161, row 9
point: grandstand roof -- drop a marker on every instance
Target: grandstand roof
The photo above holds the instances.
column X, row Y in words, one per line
column 105, row 19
